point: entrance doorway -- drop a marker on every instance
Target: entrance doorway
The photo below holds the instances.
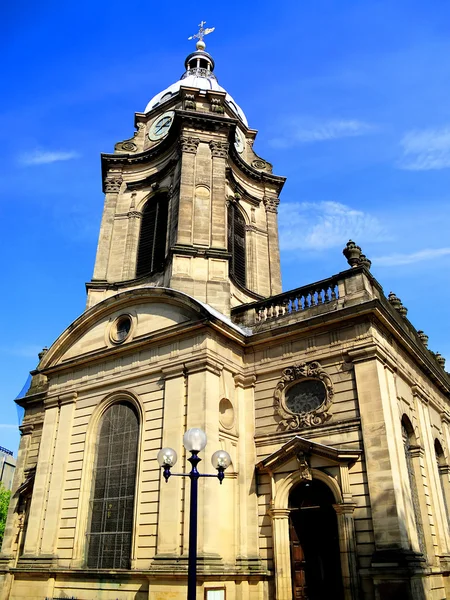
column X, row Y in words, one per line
column 315, row 556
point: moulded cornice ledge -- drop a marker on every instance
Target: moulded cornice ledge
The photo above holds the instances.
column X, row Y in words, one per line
column 205, row 363
column 418, row 391
column 173, row 371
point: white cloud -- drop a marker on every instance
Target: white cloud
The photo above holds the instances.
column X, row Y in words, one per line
column 322, row 225
column 45, row 157
column 426, row 150
column 395, row 260
column 301, row 133
column 8, row 426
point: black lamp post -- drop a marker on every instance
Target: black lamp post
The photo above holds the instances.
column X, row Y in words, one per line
column 194, row 440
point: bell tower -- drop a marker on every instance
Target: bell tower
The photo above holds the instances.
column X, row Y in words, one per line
column 189, row 205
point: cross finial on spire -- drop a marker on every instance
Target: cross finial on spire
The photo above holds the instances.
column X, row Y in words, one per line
column 201, row 34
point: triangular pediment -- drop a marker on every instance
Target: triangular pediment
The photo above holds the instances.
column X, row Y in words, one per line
column 301, row 447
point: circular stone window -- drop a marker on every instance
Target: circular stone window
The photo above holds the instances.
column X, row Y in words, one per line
column 226, row 413
column 121, row 329
column 305, row 396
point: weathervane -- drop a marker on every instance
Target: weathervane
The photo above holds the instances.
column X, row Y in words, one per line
column 201, row 34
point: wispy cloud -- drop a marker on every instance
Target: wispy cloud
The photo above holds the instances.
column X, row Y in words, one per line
column 396, row 260
column 45, row 157
column 322, row 225
column 300, row 132
column 425, row 150
column 8, row 426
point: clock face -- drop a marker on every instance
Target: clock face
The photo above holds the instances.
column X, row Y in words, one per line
column 160, row 127
column 239, row 141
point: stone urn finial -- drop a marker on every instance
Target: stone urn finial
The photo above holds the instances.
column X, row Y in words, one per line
column 423, row 337
column 43, row 352
column 440, row 359
column 402, row 310
column 352, row 253
column 365, row 262
column 394, row 301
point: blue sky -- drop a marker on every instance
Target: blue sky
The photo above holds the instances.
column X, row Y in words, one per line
column 351, row 102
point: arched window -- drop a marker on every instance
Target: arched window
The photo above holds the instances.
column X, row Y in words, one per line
column 152, row 239
column 113, row 489
column 236, row 244
column 443, row 472
column 409, row 442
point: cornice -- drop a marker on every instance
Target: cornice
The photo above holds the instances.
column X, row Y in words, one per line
column 253, row 173
column 154, row 177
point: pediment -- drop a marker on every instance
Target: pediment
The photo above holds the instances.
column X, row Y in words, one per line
column 298, row 449
column 152, row 312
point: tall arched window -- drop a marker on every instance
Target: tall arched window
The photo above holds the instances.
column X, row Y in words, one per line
column 236, row 244
column 443, row 472
column 409, row 442
column 113, row 489
column 152, row 238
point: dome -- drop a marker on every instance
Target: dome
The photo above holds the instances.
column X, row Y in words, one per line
column 199, row 74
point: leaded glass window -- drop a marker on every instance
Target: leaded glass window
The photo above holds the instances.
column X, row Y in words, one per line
column 113, row 491
column 305, row 396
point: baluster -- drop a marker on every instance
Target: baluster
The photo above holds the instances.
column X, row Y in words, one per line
column 333, row 292
column 323, row 296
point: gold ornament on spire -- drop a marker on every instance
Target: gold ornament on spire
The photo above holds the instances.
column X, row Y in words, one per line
column 201, row 34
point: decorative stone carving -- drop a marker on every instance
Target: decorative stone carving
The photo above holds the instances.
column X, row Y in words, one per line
column 219, row 149
column 259, row 164
column 189, row 102
column 364, row 261
column 397, row 304
column 216, row 105
column 127, row 146
column 113, row 183
column 189, row 144
column 134, row 214
column 304, row 467
column 423, row 337
column 440, row 359
column 352, row 253
column 311, row 409
column 271, row 204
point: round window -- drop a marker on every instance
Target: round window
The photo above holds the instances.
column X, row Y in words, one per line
column 305, row 396
column 121, row 329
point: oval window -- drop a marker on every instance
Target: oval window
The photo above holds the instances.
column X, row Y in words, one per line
column 305, row 396
column 122, row 328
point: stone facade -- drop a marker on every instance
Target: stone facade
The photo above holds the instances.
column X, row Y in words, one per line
column 201, row 350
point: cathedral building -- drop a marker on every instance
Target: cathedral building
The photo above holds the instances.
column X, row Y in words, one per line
column 333, row 410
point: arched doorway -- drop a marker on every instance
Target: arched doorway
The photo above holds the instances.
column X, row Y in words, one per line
column 314, row 540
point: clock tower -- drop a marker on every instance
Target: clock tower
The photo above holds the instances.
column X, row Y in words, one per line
column 189, row 205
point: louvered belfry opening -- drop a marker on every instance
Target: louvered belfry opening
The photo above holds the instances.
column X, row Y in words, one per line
column 114, row 482
column 152, row 239
column 236, row 244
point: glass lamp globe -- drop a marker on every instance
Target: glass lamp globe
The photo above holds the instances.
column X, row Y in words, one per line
column 167, row 457
column 194, row 440
column 221, row 459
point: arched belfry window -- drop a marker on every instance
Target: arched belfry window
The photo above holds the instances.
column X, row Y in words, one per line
column 113, row 489
column 409, row 444
column 152, row 238
column 236, row 244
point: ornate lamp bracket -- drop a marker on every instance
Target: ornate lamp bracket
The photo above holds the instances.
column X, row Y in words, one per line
column 313, row 411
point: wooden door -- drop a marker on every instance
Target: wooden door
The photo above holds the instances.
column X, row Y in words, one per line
column 298, row 565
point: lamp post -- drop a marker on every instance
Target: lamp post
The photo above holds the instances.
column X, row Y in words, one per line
column 194, row 440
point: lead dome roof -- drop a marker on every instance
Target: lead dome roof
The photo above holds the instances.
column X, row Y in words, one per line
column 199, row 74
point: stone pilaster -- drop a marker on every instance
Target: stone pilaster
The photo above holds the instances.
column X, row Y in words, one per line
column 347, row 546
column 271, row 205
column 188, row 147
column 131, row 246
column 219, row 153
column 58, row 473
column 112, row 185
column 281, row 551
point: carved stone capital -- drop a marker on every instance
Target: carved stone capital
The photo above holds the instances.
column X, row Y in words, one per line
column 189, row 144
column 26, row 428
column 134, row 214
column 271, row 204
column 219, row 149
column 113, row 183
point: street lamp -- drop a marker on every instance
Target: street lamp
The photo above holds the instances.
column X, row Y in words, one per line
column 194, row 440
